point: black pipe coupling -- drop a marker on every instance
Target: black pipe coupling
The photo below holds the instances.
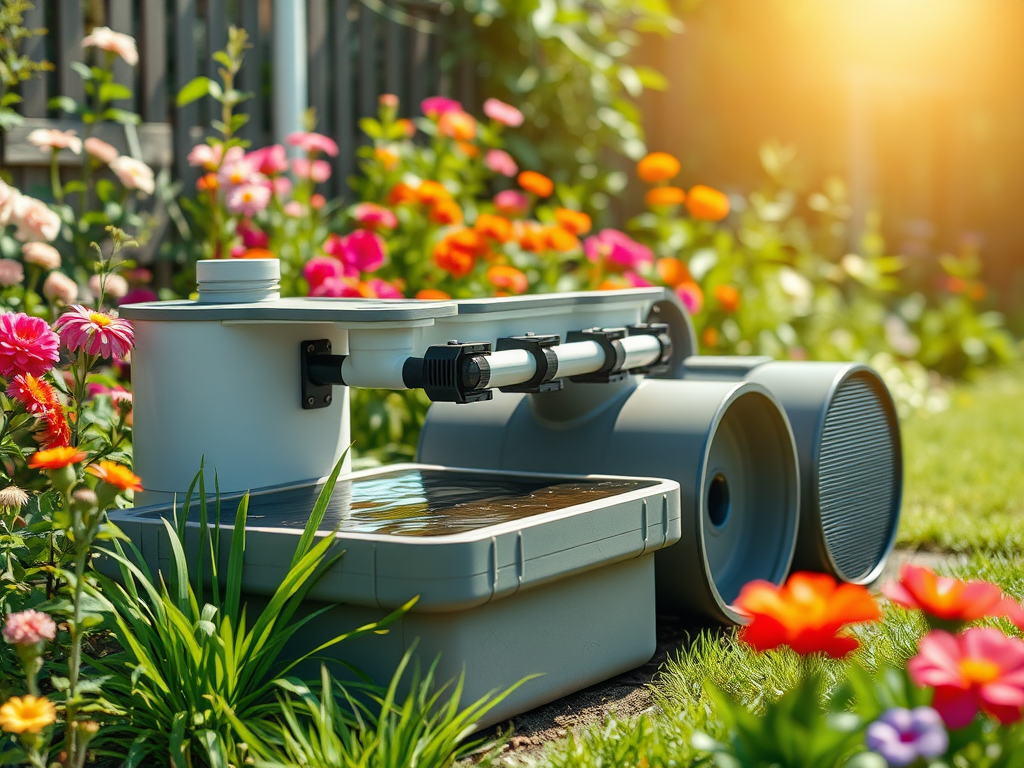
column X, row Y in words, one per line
column 614, row 354
column 540, row 347
column 660, row 331
column 455, row 372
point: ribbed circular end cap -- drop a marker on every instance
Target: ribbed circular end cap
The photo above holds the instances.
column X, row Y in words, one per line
column 234, row 281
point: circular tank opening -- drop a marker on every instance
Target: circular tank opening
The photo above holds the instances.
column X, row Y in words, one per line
column 719, row 502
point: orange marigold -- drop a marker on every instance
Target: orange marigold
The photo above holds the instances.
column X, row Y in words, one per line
column 431, row 192
column 446, row 211
column 728, row 296
column 507, row 277
column 208, row 183
column 455, row 261
column 468, row 240
column 537, row 183
column 673, row 272
column 531, row 236
column 495, row 227
column 401, row 193
column 469, row 150
column 807, row 614
column 432, row 294
column 664, row 196
column 257, row 253
column 116, row 474
column 387, row 158
column 657, row 166
column 707, row 203
column 457, row 125
column 27, row 714
column 56, row 431
column 576, row 222
column 710, row 337
column 56, row 458
column 561, row 240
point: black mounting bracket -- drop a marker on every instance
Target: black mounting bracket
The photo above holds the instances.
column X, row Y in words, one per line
column 661, row 331
column 320, row 371
column 547, row 362
column 614, row 354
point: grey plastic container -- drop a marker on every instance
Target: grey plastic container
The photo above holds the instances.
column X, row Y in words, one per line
column 851, row 461
column 516, row 574
column 727, row 443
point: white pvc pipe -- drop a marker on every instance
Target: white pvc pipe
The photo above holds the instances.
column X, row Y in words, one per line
column 640, row 351
column 510, row 366
column 291, row 68
column 578, row 358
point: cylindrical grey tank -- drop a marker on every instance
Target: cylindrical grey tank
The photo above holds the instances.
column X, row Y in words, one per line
column 728, row 445
column 851, row 463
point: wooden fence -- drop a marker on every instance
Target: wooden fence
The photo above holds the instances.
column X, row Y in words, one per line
column 358, row 49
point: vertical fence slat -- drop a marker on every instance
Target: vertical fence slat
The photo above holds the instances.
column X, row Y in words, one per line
column 34, row 91
column 70, row 31
column 216, row 33
column 184, row 70
column 119, row 19
column 153, row 61
column 419, row 64
column 250, row 79
column 343, row 124
column 367, row 61
column 395, row 55
column 319, row 63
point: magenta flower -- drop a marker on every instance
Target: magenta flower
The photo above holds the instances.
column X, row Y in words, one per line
column 27, row 345
column 503, row 113
column 29, row 628
column 511, row 202
column 636, row 281
column 371, row 216
column 138, row 296
column 248, row 199
column 363, row 250
column 312, row 143
column 500, row 161
column 97, row 333
column 616, row 247
column 270, row 161
column 383, row 289
column 252, row 237
column 691, row 295
column 317, row 170
column 435, row 106
column 337, row 288
column 979, row 669
column 320, row 268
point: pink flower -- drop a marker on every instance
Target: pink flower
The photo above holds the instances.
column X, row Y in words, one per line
column 11, row 272
column 388, row 101
column 281, row 185
column 108, row 40
column 371, row 216
column 317, row 170
column 613, row 246
column 29, row 628
column 27, row 345
column 115, row 286
column 270, row 161
column 294, row 208
column 41, row 254
column 248, row 199
column 236, row 171
column 361, row 250
column 59, row 287
column 252, row 237
column 320, row 268
column 34, row 220
column 636, row 281
column 500, row 161
column 979, row 669
column 137, row 296
column 435, row 106
column 311, row 143
column 383, row 289
column 511, row 202
column 102, row 151
column 9, row 197
column 134, row 174
column 317, row 201
column 691, row 295
column 503, row 113
column 97, row 333
column 209, row 157
column 337, row 288
column 48, row 139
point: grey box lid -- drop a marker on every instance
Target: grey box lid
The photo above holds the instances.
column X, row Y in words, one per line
column 491, row 533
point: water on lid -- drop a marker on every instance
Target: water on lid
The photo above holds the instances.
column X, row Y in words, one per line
column 419, row 502
column 858, row 477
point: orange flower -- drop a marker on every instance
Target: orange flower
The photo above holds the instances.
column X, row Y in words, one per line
column 432, row 294
column 116, row 474
column 576, row 222
column 537, row 183
column 707, row 203
column 431, row 193
column 469, row 150
column 710, row 337
column 56, row 431
column 257, row 253
column 949, row 603
column 728, row 296
column 664, row 196
column 806, row 614
column 457, row 125
column 468, row 240
column 510, row 278
column 613, row 284
column 385, row 157
column 56, row 458
column 561, row 240
column 446, row 211
column 208, row 183
column 407, row 126
column 27, row 714
column 672, row 272
column 495, row 227
column 657, row 166
column 455, row 261
column 977, row 292
column 531, row 236
column 401, row 193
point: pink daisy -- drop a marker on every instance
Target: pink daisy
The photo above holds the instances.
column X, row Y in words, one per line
column 317, row 170
column 503, row 113
column 371, row 216
column 27, row 345
column 311, row 142
column 97, row 333
column 248, row 199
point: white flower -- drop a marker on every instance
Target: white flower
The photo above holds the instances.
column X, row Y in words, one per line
column 134, row 174
column 108, row 40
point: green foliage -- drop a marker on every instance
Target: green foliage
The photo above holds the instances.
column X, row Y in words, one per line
column 15, row 68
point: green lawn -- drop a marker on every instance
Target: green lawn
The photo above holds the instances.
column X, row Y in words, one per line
column 964, row 492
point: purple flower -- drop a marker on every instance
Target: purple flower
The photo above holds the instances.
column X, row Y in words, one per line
column 901, row 736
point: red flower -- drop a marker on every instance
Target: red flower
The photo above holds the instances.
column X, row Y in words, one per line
column 34, row 393
column 951, row 601
column 56, row 432
column 807, row 614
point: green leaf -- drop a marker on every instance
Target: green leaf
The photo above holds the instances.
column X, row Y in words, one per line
column 195, row 89
column 10, row 98
column 371, row 128
column 652, row 78
column 122, row 116
column 65, row 104
column 82, row 69
column 114, row 91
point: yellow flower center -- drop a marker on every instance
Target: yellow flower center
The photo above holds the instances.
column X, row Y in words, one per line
column 979, row 671
column 100, row 319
